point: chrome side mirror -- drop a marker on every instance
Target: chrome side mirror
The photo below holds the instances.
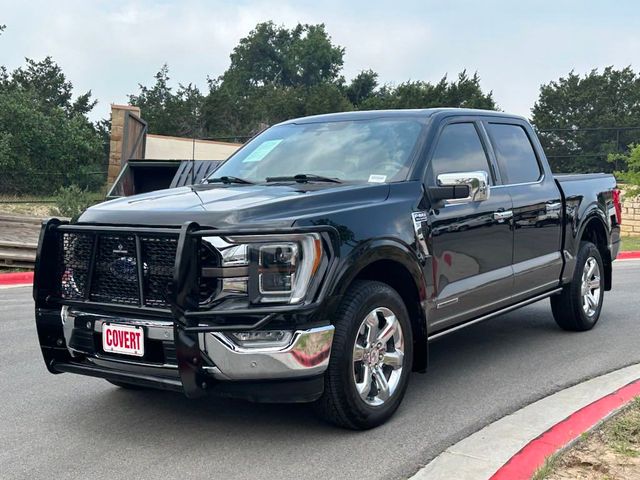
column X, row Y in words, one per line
column 476, row 183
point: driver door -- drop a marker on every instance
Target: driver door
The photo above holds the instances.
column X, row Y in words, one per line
column 472, row 240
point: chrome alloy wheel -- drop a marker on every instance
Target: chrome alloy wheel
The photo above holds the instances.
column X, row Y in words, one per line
column 378, row 356
column 590, row 289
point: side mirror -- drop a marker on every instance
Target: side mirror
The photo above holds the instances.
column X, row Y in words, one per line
column 461, row 187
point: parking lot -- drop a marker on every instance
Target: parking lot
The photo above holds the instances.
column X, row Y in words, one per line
column 73, row 427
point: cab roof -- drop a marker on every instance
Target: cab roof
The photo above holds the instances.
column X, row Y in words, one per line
column 422, row 113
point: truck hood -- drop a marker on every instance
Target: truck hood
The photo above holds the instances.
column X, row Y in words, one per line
column 224, row 206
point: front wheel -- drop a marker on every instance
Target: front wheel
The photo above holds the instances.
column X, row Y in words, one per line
column 371, row 358
column 577, row 308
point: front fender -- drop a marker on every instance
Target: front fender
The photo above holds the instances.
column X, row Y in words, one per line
column 405, row 268
column 373, row 251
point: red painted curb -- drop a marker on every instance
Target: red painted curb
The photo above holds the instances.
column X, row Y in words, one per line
column 524, row 463
column 629, row 255
column 18, row 278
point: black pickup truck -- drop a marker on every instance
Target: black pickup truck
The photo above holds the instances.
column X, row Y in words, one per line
column 319, row 261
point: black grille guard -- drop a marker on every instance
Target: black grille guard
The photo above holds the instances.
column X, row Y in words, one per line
column 188, row 317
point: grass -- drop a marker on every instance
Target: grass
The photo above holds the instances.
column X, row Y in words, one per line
column 29, row 209
column 98, row 195
column 43, row 206
column 630, row 243
column 624, row 432
column 27, row 198
column 545, row 470
column 603, row 453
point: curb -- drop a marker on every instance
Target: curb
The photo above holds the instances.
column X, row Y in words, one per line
column 17, row 278
column 631, row 255
column 525, row 463
column 516, row 445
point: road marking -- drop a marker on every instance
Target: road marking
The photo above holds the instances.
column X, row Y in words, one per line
column 16, row 278
column 524, row 464
column 483, row 453
column 629, row 255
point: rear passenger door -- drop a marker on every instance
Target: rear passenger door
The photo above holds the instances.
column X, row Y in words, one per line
column 472, row 242
column 537, row 206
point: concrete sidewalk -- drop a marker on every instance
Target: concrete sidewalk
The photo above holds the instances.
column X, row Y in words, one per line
column 481, row 455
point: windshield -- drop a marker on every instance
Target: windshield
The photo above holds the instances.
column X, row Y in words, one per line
column 377, row 150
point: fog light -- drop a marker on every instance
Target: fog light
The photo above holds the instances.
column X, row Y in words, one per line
column 263, row 338
column 234, row 285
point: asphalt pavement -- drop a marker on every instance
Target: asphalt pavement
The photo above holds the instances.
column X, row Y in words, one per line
column 73, row 427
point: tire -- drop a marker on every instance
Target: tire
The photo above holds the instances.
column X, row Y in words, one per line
column 572, row 310
column 127, row 386
column 367, row 311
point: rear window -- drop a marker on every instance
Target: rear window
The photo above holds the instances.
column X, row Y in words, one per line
column 516, row 158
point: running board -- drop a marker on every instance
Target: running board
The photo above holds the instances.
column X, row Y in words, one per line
column 515, row 306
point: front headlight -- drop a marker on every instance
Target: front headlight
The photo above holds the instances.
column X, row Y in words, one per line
column 268, row 268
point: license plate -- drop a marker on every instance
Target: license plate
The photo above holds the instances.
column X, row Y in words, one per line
column 123, row 339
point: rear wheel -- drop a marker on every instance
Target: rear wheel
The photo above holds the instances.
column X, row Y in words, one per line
column 579, row 305
column 370, row 360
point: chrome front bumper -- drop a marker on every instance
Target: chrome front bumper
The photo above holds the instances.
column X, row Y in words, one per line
column 306, row 355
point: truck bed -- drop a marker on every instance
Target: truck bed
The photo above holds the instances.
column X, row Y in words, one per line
column 573, row 177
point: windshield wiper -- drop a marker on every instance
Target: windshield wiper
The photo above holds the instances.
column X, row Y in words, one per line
column 229, row 179
column 303, row 178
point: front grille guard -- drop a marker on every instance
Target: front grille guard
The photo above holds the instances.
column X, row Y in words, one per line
column 189, row 319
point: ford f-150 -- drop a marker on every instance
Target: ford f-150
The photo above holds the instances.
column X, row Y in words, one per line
column 321, row 259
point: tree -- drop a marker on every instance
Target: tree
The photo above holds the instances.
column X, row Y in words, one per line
column 573, row 113
column 46, row 141
column 274, row 55
column 45, row 80
column 362, row 87
column 631, row 174
column 464, row 92
column 275, row 74
column 169, row 113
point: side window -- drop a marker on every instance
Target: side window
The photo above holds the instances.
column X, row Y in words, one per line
column 459, row 149
column 516, row 158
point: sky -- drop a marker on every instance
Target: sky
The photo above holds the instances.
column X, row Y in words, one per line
column 109, row 47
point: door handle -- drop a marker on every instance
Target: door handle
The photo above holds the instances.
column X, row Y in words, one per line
column 552, row 207
column 504, row 215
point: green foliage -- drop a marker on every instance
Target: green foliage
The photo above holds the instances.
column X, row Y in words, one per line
column 43, row 150
column 623, row 432
column 595, row 100
column 546, row 468
column 71, row 201
column 630, row 176
column 362, row 87
column 276, row 74
column 46, row 82
column 630, row 244
column 46, row 141
column 273, row 55
column 169, row 113
column 465, row 92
